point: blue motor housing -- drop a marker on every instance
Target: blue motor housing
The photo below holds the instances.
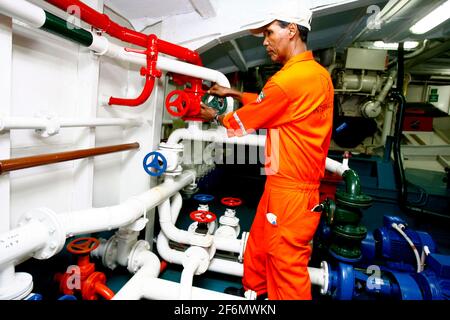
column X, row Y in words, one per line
column 393, row 247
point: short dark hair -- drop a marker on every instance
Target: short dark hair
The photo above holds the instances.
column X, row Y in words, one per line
column 302, row 31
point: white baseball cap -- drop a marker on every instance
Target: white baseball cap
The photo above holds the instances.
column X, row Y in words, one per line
column 291, row 12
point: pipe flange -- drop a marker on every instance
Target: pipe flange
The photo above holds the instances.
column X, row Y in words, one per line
column 200, row 253
column 326, row 278
column 133, row 261
column 20, row 287
column 57, row 236
column 360, row 201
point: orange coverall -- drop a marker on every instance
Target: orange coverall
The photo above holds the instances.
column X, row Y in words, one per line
column 296, row 106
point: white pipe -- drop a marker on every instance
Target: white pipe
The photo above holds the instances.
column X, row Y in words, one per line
column 187, row 276
column 411, row 244
column 24, row 11
column 176, row 203
column 108, row 218
column 159, row 289
column 133, row 289
column 42, row 123
column 387, row 123
column 336, row 167
column 21, row 242
column 317, row 276
column 216, row 265
column 218, row 135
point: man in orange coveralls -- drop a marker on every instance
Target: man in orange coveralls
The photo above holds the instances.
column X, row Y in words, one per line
column 296, row 106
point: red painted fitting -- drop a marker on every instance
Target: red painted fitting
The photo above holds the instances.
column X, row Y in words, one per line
column 92, row 283
column 145, row 94
column 94, row 286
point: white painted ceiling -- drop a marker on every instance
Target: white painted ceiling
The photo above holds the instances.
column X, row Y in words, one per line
column 216, row 27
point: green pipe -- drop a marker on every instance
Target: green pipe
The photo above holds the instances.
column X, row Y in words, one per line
column 352, row 182
column 61, row 27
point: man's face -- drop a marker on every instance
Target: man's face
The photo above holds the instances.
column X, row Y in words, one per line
column 276, row 40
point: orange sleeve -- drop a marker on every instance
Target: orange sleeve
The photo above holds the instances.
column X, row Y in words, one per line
column 268, row 110
column 248, row 97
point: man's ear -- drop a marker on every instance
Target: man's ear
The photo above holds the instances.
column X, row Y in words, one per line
column 292, row 29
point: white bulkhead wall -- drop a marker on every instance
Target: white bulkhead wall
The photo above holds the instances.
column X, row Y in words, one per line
column 52, row 76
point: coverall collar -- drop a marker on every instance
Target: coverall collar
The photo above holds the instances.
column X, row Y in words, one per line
column 304, row 56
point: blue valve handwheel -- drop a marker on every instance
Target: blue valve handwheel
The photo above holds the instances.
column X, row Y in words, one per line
column 157, row 165
column 203, row 197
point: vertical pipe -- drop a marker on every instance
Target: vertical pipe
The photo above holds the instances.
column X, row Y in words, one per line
column 6, row 271
column 387, row 124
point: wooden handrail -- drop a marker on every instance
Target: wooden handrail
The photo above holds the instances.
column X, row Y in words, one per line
column 44, row 159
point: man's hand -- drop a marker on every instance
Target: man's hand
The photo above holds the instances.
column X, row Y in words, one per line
column 219, row 91
column 207, row 113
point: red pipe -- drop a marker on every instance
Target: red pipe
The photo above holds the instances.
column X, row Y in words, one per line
column 103, row 22
column 145, row 94
column 104, row 291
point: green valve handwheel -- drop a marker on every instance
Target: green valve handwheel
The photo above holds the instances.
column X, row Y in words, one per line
column 218, row 103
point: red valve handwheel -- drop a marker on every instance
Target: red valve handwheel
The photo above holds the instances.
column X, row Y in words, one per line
column 83, row 245
column 180, row 103
column 231, row 202
column 203, row 216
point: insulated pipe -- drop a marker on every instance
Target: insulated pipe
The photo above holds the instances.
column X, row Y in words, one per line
column 11, row 123
column 108, row 218
column 45, row 159
column 20, row 243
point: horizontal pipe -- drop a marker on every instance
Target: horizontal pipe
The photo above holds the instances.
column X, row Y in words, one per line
column 11, row 123
column 218, row 135
column 24, row 11
column 335, row 166
column 113, row 217
column 159, row 289
column 62, row 27
column 21, row 242
column 45, row 159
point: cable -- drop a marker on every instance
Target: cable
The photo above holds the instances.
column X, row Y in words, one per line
column 411, row 244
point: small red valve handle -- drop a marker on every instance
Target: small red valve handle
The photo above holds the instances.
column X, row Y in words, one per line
column 180, row 103
column 231, row 202
column 83, row 245
column 203, row 216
